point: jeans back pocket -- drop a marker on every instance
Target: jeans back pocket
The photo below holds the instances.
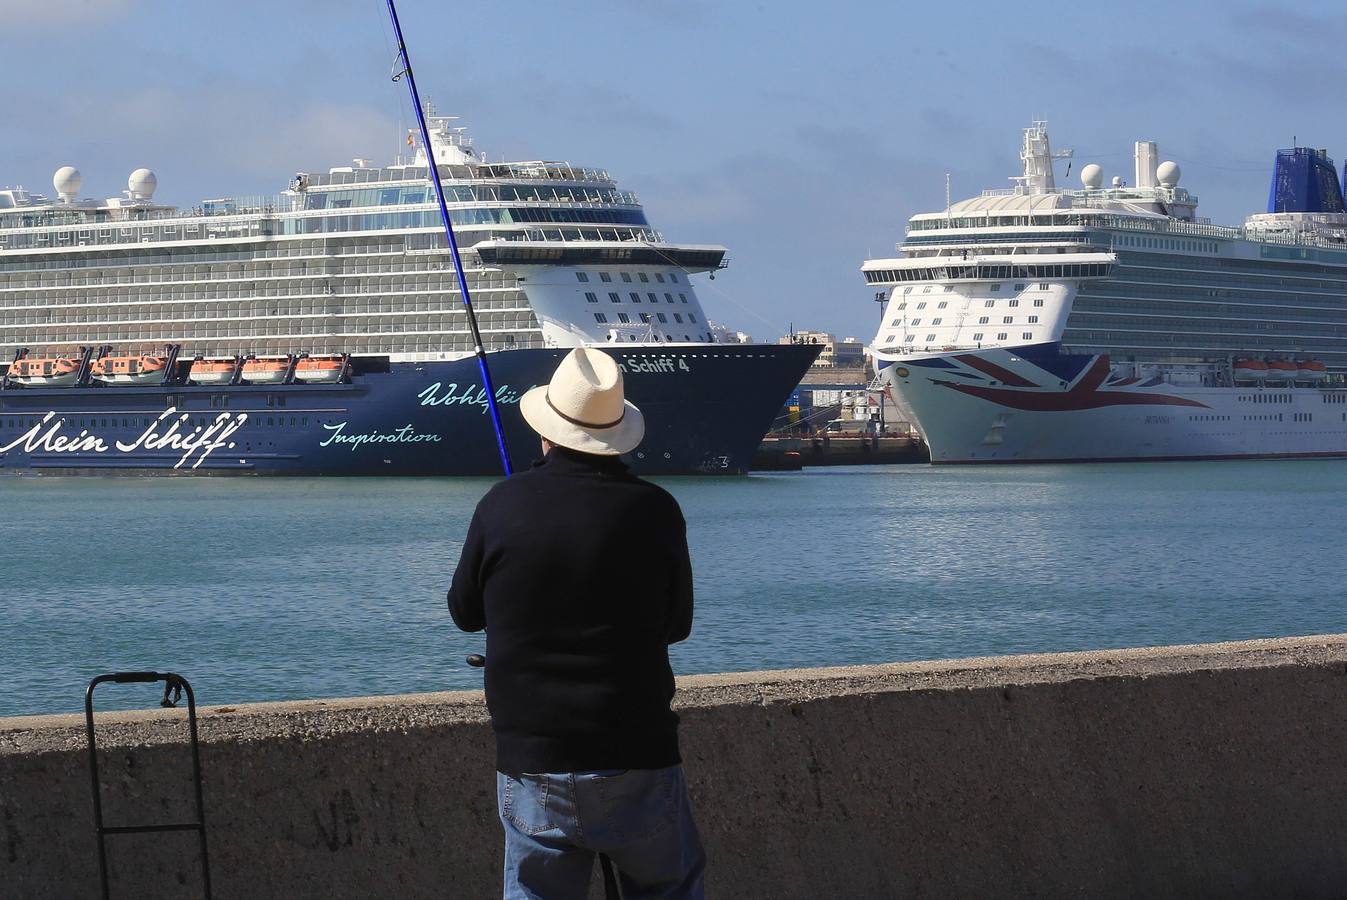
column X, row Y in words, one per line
column 523, row 802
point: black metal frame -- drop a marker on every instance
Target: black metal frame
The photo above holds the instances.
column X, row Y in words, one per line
column 172, row 683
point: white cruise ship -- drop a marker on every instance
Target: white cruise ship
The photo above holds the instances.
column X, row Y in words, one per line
column 321, row 330
column 1110, row 322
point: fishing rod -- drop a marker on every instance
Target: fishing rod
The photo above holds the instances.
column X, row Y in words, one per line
column 406, row 70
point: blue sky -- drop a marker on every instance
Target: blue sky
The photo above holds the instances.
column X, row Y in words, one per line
column 800, row 135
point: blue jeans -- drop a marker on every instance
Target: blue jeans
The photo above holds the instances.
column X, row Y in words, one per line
column 641, row 818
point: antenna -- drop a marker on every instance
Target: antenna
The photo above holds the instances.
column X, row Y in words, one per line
column 453, row 244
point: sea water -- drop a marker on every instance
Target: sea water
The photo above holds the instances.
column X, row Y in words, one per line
column 280, row 588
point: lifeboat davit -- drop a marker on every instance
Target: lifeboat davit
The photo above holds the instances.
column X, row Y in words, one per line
column 1311, row 371
column 212, row 371
column 265, row 371
column 318, row 369
column 1281, row 370
column 1250, row 369
column 57, row 371
column 129, row 369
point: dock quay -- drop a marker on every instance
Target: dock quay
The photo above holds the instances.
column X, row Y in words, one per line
column 1208, row 770
column 794, row 453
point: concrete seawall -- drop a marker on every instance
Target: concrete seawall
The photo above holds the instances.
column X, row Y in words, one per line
column 1205, row 771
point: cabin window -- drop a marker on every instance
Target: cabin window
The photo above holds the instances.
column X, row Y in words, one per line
column 614, row 296
column 600, row 317
column 581, row 276
column 635, row 297
column 591, row 297
column 604, row 276
column 626, row 276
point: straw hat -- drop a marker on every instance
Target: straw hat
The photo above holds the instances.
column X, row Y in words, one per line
column 583, row 407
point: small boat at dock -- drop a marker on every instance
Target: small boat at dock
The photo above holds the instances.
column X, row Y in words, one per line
column 213, row 371
column 129, row 369
column 49, row 372
column 318, row 369
column 265, row 371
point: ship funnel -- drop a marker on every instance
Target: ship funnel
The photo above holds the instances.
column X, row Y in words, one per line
column 1148, row 160
column 1304, row 180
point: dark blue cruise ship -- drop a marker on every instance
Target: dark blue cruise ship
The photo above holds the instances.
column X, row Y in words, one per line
column 321, row 331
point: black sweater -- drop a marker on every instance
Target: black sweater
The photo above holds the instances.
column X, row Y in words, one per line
column 579, row 572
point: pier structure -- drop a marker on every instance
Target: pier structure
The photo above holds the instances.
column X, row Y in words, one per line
column 1208, row 770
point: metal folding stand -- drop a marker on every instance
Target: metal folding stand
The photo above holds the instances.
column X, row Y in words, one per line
column 174, row 685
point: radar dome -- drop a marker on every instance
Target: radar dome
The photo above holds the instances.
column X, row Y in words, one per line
column 141, row 184
column 67, row 181
column 1169, row 174
column 1092, row 176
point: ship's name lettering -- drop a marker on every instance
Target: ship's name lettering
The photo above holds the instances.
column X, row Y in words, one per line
column 407, row 434
column 1157, row 420
column 164, row 433
column 452, row 395
column 664, row 365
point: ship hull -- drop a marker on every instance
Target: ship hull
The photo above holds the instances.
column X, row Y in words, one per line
column 1035, row 404
column 706, row 409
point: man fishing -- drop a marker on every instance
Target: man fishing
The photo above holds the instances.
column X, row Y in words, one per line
column 579, row 572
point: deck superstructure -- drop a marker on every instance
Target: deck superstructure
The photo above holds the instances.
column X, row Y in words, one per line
column 351, row 260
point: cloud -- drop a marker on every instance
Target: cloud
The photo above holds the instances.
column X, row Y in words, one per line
column 61, row 12
column 797, row 235
column 231, row 140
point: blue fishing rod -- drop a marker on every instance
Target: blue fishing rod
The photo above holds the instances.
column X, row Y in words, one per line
column 406, row 70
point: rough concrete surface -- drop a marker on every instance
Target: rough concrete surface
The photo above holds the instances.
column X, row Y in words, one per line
column 1203, row 771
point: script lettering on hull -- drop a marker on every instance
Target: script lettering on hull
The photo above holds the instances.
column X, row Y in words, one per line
column 407, row 434
column 439, row 394
column 166, row 432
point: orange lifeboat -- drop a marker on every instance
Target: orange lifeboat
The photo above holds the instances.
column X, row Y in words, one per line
column 1281, row 370
column 57, row 371
column 1311, row 371
column 265, row 371
column 212, row 371
column 318, row 369
column 129, row 369
column 1250, row 369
